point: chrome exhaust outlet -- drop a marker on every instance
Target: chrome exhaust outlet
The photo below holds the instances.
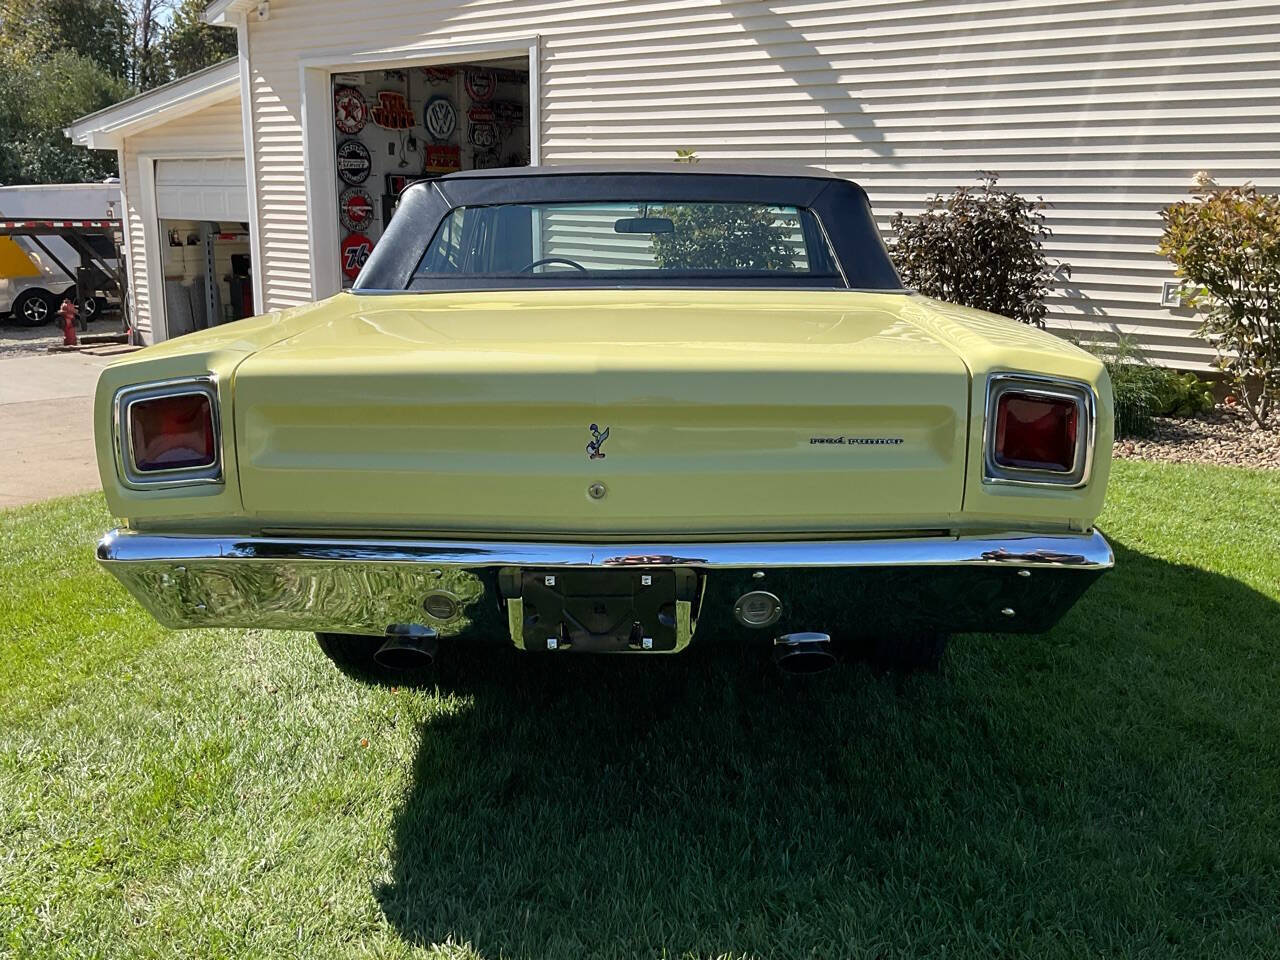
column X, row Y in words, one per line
column 803, row 653
column 407, row 647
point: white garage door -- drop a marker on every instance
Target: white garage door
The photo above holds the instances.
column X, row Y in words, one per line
column 205, row 189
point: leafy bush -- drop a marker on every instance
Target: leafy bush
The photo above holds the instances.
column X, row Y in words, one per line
column 1143, row 391
column 715, row 236
column 1183, row 395
column 979, row 248
column 1226, row 245
column 1136, row 389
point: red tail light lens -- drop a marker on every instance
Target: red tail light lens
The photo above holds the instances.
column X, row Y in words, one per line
column 1036, row 432
column 172, row 433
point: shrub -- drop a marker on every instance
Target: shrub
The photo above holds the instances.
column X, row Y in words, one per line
column 1225, row 245
column 1183, row 395
column 1142, row 391
column 710, row 236
column 1136, row 390
column 980, row 248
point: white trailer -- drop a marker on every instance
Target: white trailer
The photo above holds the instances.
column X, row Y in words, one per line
column 38, row 269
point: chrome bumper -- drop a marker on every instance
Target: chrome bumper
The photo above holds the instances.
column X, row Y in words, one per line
column 1013, row 582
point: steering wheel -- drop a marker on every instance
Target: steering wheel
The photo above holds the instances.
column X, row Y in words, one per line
column 529, row 267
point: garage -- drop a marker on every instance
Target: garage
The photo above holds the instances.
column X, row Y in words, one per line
column 202, row 205
column 404, row 123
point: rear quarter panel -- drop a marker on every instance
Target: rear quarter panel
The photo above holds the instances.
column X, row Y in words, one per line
column 991, row 344
column 217, row 351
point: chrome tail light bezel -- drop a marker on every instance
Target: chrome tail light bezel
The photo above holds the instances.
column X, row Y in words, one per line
column 1049, row 387
column 122, row 441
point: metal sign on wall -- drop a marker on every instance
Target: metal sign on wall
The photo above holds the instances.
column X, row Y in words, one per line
column 396, row 126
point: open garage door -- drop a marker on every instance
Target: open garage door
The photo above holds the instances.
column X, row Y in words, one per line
column 203, row 189
column 203, row 212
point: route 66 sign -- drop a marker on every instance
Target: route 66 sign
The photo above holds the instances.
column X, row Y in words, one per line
column 483, row 135
column 355, row 251
column 354, row 162
column 440, row 118
column 355, row 209
column 349, row 110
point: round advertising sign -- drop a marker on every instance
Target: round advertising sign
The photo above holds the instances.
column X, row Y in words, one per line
column 355, row 251
column 440, row 118
column 480, row 84
column 350, row 111
column 355, row 209
column 354, row 162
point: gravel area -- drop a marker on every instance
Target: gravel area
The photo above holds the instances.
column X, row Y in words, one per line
column 16, row 341
column 1223, row 436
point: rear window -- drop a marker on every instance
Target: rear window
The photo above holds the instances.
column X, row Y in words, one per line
column 658, row 242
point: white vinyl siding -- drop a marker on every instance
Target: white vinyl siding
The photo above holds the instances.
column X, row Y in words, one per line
column 1107, row 108
column 214, row 130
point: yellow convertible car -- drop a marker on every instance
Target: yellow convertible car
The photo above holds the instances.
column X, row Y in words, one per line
column 609, row 410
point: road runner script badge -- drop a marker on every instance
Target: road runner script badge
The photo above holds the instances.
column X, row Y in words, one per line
column 355, row 209
column 354, row 162
column 858, row 441
column 597, row 441
column 349, row 110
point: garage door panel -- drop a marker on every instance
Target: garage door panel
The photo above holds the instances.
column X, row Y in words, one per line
column 202, row 189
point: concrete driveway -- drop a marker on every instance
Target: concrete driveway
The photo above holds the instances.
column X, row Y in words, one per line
column 46, row 428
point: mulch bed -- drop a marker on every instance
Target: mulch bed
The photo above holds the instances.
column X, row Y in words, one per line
column 1223, row 437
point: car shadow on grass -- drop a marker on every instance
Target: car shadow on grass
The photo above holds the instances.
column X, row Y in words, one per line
column 1081, row 791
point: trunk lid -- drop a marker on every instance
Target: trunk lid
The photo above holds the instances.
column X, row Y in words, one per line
column 726, row 412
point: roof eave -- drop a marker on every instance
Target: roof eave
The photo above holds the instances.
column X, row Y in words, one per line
column 224, row 13
column 106, row 129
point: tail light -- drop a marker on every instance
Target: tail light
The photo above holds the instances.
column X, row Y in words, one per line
column 1039, row 430
column 168, row 433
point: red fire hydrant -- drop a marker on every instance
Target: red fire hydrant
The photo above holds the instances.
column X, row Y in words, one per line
column 68, row 313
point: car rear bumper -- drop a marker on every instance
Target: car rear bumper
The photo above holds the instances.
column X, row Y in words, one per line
column 1015, row 582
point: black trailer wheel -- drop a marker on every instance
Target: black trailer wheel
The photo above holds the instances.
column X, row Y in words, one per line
column 33, row 307
column 90, row 307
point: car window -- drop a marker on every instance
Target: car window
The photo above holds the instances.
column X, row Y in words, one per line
column 652, row 240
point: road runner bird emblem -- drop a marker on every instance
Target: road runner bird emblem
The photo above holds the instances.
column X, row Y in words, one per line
column 597, row 441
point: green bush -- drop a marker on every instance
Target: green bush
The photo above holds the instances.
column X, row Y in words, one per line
column 1183, row 395
column 1226, row 245
column 1136, row 388
column 1142, row 391
column 979, row 248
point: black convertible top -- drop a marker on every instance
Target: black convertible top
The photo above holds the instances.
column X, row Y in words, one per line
column 741, row 168
column 840, row 206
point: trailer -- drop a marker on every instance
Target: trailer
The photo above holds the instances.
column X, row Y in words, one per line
column 60, row 241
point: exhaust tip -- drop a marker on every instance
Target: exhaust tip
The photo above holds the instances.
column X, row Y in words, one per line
column 803, row 653
column 407, row 649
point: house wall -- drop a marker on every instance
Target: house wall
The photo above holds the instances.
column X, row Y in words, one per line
column 213, row 131
column 1107, row 108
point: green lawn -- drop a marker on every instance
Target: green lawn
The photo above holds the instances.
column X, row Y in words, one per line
column 1110, row 789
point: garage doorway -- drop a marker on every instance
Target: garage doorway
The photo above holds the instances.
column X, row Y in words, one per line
column 202, row 209
column 397, row 126
column 390, row 118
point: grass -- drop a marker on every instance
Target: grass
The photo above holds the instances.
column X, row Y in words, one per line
column 1109, row 789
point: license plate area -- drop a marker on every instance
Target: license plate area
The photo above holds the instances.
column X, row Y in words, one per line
column 629, row 610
